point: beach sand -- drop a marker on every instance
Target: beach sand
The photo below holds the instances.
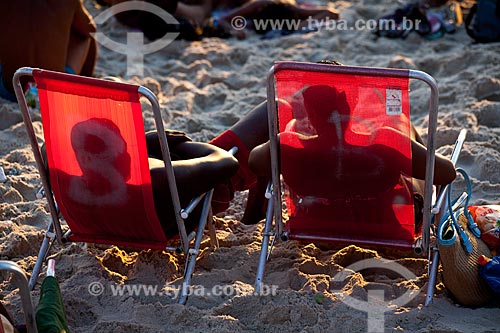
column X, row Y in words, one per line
column 203, row 88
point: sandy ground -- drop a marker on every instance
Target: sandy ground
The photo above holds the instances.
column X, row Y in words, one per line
column 203, row 88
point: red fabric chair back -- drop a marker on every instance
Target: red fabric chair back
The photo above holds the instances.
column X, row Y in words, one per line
column 345, row 155
column 97, row 160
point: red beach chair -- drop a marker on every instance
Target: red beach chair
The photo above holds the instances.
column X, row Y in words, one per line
column 341, row 158
column 99, row 179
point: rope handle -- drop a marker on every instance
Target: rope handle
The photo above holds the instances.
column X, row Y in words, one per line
column 449, row 223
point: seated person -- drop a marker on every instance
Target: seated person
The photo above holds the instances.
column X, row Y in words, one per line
column 331, row 162
column 212, row 18
column 250, row 134
column 198, row 167
column 107, row 179
column 359, row 164
column 317, row 99
column 190, row 16
column 266, row 10
column 52, row 35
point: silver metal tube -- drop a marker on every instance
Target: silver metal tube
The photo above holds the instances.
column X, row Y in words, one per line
column 432, row 277
column 21, row 281
column 16, row 82
column 454, row 158
column 42, row 255
column 168, row 165
column 352, row 70
column 192, row 205
column 418, row 248
column 431, row 152
column 340, row 240
column 273, row 142
column 264, row 246
column 191, row 256
column 214, row 242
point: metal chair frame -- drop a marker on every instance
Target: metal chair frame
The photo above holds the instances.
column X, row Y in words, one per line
column 54, row 230
column 21, row 281
column 423, row 244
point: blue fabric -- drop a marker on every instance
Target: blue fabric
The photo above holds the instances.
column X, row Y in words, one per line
column 4, row 93
column 69, row 70
column 491, row 274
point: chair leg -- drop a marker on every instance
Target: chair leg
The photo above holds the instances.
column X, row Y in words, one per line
column 42, row 255
column 214, row 242
column 192, row 254
column 265, row 246
column 188, row 273
column 432, row 276
column 22, row 283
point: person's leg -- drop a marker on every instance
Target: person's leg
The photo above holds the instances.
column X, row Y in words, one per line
column 247, row 10
column 252, row 129
column 255, row 208
column 315, row 13
column 444, row 170
column 81, row 48
column 200, row 167
column 249, row 132
column 313, row 18
column 195, row 14
column 78, row 52
column 89, row 64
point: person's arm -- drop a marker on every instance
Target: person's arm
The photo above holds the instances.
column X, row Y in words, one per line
column 444, row 170
column 202, row 166
column 83, row 23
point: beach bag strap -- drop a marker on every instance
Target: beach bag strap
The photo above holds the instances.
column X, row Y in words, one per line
column 459, row 249
column 449, row 228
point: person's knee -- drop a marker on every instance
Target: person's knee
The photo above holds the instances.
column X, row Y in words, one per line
column 444, row 172
column 259, row 160
column 228, row 164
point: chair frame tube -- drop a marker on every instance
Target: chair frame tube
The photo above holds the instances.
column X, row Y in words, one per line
column 361, row 71
column 192, row 255
column 16, row 81
column 264, row 250
column 21, row 281
column 168, row 166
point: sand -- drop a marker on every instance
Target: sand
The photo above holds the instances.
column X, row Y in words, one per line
column 203, row 88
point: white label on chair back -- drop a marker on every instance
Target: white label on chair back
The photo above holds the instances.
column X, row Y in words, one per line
column 393, row 102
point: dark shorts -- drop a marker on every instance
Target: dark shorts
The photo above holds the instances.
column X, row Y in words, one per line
column 152, row 25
